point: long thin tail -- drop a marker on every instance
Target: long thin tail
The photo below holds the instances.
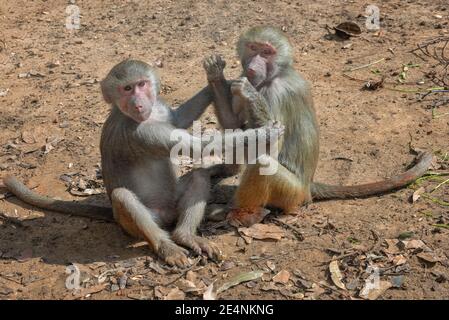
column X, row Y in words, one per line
column 70, row 207
column 321, row 191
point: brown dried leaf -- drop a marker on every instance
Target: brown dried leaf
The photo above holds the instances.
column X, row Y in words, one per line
column 417, row 194
column 269, row 287
column 186, row 285
column 263, row 231
column 28, row 137
column 392, row 246
column 429, row 257
column 191, row 276
column 413, row 244
column 399, row 260
column 336, row 275
column 372, row 293
column 314, row 292
column 282, row 277
column 242, row 277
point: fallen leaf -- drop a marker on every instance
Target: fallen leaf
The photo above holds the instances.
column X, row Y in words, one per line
column 242, row 277
column 315, row 292
column 96, row 265
column 269, row 287
column 413, row 244
column 398, row 260
column 191, row 276
column 336, row 275
column 372, row 292
column 28, row 137
column 417, row 194
column 392, row 246
column 282, row 277
column 429, row 257
column 160, row 292
column 186, row 286
column 175, row 294
column 263, row 231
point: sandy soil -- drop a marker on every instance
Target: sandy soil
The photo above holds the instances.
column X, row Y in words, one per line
column 52, row 112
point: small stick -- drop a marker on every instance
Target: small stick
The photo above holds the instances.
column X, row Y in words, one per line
column 444, row 182
column 342, row 256
column 298, row 234
column 365, row 65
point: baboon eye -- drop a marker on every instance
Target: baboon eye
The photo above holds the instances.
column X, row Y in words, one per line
column 141, row 83
column 128, row 88
column 253, row 47
column 267, row 52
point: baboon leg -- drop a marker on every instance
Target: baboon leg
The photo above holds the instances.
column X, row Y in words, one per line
column 141, row 222
column 281, row 189
column 192, row 193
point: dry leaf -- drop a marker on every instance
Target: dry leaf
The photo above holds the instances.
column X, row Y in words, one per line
column 429, row 257
column 175, row 294
column 269, row 287
column 398, row 260
column 314, row 292
column 263, row 231
column 392, row 246
column 282, row 277
column 28, row 137
column 242, row 277
column 336, row 275
column 186, row 285
column 372, row 292
column 191, row 276
column 413, row 244
column 417, row 194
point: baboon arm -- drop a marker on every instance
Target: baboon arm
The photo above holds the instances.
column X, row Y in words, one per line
column 223, row 104
column 161, row 138
column 192, row 109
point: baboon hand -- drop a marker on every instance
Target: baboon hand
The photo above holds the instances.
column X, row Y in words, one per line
column 198, row 245
column 214, row 66
column 243, row 88
column 173, row 255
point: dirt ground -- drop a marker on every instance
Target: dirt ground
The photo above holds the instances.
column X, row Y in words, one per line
column 51, row 116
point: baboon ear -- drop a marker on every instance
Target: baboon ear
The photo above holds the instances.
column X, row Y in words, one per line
column 106, row 95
